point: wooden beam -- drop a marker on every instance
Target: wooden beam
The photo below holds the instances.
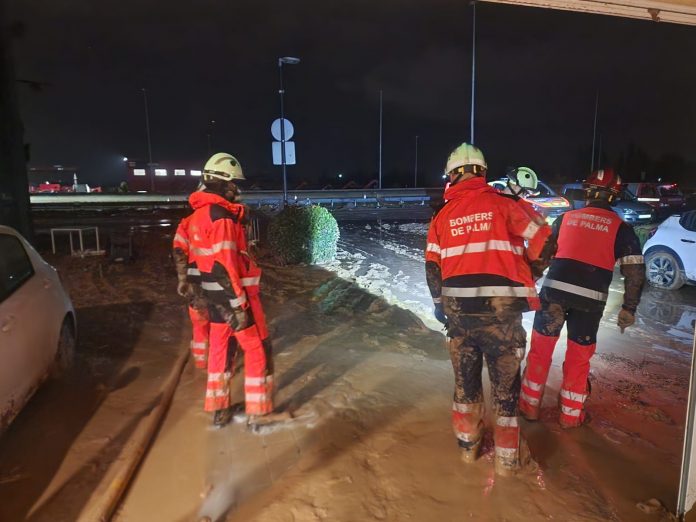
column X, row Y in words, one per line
column 676, row 11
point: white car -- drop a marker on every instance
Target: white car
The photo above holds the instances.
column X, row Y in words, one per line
column 670, row 253
column 37, row 323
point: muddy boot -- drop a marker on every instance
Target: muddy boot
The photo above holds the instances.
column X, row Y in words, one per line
column 469, row 453
column 222, row 417
column 506, row 466
column 531, row 416
column 257, row 422
column 584, row 419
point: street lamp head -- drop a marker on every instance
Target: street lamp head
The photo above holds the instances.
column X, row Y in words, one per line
column 125, row 158
column 290, row 60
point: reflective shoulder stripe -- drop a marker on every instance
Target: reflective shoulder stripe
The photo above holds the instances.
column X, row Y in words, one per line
column 531, row 230
column 574, row 289
column 572, row 396
column 211, row 286
column 490, row 291
column 251, row 281
column 631, row 260
column 432, row 247
column 507, row 422
column 193, row 271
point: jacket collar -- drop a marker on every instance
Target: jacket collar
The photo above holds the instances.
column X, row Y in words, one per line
column 467, row 188
column 203, row 199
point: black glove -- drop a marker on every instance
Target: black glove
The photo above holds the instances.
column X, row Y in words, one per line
column 440, row 313
column 626, row 319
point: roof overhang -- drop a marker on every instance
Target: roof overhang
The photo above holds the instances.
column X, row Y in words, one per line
column 675, row 11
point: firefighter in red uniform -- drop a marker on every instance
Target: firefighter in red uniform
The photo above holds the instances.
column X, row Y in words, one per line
column 590, row 242
column 189, row 287
column 230, row 283
column 474, row 259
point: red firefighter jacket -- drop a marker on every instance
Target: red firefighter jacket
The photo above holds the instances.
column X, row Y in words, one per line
column 181, row 242
column 218, row 246
column 478, row 240
column 590, row 242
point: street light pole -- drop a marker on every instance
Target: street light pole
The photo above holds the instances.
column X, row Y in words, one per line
column 211, row 128
column 149, row 142
column 594, row 131
column 290, row 60
column 473, row 69
column 379, row 185
column 415, row 166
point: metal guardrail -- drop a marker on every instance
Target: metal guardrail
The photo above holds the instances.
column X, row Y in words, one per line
column 252, row 198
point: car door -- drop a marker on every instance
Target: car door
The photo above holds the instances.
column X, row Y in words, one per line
column 687, row 243
column 22, row 339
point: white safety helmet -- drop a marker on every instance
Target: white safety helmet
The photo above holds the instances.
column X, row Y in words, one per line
column 469, row 157
column 224, row 167
column 525, row 178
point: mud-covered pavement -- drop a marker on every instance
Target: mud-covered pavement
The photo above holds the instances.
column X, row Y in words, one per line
column 370, row 389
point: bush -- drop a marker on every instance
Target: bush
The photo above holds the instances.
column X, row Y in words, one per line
column 303, row 235
column 643, row 232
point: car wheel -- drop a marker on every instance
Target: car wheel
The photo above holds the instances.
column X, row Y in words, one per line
column 66, row 348
column 663, row 270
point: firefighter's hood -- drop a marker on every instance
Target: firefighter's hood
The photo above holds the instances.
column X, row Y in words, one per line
column 465, row 188
column 203, row 199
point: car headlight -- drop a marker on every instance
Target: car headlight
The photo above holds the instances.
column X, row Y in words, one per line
column 629, row 212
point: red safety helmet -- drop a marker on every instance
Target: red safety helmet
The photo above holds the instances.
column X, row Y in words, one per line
column 604, row 179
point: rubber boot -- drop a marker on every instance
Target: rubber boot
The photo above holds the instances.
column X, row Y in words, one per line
column 469, row 454
column 222, row 417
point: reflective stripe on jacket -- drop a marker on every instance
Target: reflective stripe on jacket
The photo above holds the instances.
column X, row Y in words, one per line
column 590, row 242
column 217, row 240
column 478, row 241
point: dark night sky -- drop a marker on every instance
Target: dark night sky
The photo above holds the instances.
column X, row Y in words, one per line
column 538, row 74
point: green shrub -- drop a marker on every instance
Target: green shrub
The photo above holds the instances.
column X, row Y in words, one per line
column 303, row 235
column 643, row 232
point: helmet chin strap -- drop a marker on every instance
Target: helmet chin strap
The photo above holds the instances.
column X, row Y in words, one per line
column 516, row 190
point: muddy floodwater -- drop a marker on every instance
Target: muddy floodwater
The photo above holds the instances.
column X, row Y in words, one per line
column 362, row 367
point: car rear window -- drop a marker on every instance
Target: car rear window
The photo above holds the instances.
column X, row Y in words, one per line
column 15, row 265
column 575, row 193
column 670, row 190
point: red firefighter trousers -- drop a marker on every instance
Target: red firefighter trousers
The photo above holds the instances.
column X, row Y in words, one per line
column 582, row 339
column 201, row 330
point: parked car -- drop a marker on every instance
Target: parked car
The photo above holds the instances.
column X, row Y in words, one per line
column 37, row 323
column 627, row 206
column 670, row 253
column 546, row 202
column 665, row 198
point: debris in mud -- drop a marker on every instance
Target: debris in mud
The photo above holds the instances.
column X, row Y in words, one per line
column 653, row 506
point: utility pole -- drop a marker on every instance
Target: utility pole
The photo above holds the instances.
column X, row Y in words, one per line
column 594, row 131
column 415, row 166
column 149, row 143
column 379, row 184
column 473, row 70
